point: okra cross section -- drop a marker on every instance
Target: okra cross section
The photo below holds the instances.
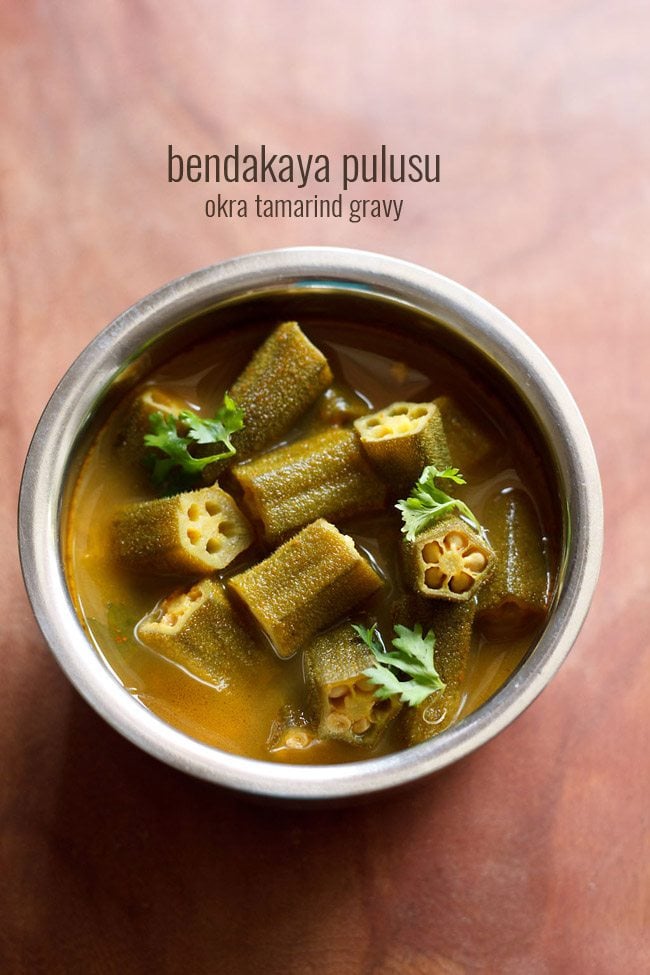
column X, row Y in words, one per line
column 449, row 561
column 191, row 533
column 305, row 585
column 322, row 476
column 342, row 697
column 200, row 629
column 402, row 439
column 291, row 729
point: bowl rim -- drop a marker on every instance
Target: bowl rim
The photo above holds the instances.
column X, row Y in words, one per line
column 71, row 405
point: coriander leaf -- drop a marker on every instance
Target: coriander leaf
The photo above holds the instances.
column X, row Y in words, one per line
column 369, row 636
column 387, row 683
column 174, row 467
column 413, row 657
column 428, row 503
column 228, row 420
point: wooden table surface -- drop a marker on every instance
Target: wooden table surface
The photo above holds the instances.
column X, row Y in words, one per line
column 530, row 856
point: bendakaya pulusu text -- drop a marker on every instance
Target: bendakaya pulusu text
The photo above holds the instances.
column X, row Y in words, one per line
column 265, row 166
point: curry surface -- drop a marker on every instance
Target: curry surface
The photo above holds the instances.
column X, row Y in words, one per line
column 380, row 366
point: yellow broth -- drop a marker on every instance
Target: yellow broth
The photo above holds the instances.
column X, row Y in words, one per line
column 380, row 366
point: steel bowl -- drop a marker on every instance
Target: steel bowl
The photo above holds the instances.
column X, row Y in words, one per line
column 324, row 282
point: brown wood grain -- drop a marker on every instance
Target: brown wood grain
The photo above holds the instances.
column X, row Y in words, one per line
column 531, row 855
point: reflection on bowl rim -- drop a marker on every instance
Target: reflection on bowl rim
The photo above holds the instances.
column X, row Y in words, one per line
column 479, row 323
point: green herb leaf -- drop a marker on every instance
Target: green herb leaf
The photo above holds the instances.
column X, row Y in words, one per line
column 228, row 420
column 173, row 436
column 428, row 503
column 413, row 658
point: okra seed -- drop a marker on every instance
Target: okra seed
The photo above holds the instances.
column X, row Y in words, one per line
column 434, row 578
column 193, row 512
column 297, row 739
column 338, row 722
column 194, row 535
column 431, row 552
column 461, row 582
column 212, row 508
column 337, row 692
column 360, row 725
column 475, row 561
column 456, row 540
column 213, row 544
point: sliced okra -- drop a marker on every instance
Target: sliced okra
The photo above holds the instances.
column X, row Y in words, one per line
column 305, row 585
column 191, row 533
column 452, row 624
column 338, row 406
column 449, row 561
column 135, row 421
column 285, row 376
column 322, row 476
column 200, row 629
column 402, row 439
column 470, row 444
column 342, row 697
column 437, row 712
column 515, row 599
column 291, row 729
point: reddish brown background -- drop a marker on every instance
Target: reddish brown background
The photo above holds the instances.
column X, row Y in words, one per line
column 529, row 856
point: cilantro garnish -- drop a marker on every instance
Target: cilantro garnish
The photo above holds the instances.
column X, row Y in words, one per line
column 427, row 503
column 413, row 658
column 174, row 436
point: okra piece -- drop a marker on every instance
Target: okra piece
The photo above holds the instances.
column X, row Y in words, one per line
column 449, row 561
column 282, row 380
column 470, row 444
column 515, row 600
column 305, row 585
column 322, row 476
column 341, row 696
column 452, row 624
column 291, row 729
column 402, row 440
column 135, row 423
column 191, row 533
column 338, row 406
column 199, row 629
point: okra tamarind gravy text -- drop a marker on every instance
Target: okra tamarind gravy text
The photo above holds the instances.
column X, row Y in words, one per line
column 374, row 370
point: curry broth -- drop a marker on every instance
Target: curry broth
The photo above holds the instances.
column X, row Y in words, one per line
column 379, row 366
